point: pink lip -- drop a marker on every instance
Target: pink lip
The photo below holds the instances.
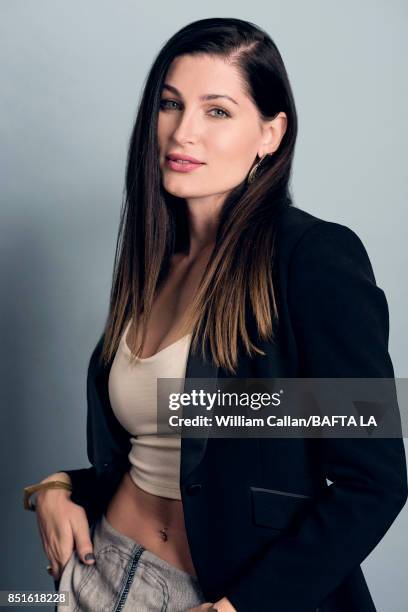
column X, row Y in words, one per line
column 173, row 165
column 174, row 155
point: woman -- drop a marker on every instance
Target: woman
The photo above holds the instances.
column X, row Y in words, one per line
column 218, row 275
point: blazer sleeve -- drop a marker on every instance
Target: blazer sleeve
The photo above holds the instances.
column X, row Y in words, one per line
column 340, row 321
column 85, row 490
column 93, row 487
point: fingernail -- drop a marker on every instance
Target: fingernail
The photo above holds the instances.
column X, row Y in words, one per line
column 89, row 557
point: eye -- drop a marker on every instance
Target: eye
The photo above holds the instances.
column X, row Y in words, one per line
column 164, row 101
column 220, row 116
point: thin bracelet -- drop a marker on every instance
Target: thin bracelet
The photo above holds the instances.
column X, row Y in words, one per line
column 51, row 484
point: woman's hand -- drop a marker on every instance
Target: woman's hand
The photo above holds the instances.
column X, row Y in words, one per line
column 63, row 526
column 222, row 605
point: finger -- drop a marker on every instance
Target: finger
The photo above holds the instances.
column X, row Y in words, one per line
column 82, row 537
column 56, row 563
column 54, row 571
column 53, row 561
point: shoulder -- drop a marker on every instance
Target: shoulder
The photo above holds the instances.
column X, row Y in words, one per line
column 337, row 313
column 305, row 241
column 324, row 273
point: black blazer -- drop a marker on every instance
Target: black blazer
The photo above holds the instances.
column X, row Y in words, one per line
column 264, row 527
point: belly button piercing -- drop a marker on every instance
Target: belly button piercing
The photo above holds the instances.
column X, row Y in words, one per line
column 163, row 533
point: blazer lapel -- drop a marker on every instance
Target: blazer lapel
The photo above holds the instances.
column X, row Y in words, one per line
column 193, row 449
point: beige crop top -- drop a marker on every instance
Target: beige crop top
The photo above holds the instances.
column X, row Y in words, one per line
column 155, row 460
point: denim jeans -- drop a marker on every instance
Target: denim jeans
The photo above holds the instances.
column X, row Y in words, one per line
column 125, row 577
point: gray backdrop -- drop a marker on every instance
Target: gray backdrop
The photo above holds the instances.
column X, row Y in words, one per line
column 71, row 79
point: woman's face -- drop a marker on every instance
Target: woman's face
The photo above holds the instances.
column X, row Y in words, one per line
column 225, row 134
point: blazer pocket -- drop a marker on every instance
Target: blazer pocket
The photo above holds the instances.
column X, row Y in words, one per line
column 277, row 509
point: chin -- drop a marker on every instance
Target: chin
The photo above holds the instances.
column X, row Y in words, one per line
column 177, row 190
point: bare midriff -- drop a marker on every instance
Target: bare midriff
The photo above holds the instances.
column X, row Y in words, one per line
column 141, row 516
column 133, row 511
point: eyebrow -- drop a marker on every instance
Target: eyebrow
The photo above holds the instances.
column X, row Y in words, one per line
column 204, row 97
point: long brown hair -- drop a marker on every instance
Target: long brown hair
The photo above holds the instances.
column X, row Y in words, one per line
column 153, row 223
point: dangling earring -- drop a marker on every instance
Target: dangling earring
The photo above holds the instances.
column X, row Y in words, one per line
column 251, row 175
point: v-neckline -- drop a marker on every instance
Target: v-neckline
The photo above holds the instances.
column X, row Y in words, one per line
column 155, row 355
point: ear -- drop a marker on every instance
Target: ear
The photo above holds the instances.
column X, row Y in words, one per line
column 272, row 134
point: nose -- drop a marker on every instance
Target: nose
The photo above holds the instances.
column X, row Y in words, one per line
column 187, row 128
